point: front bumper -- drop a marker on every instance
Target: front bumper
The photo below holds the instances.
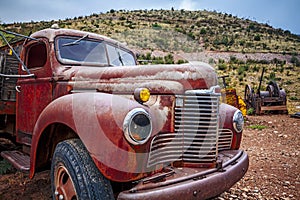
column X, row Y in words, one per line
column 192, row 183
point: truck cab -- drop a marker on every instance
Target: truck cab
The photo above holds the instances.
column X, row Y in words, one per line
column 78, row 104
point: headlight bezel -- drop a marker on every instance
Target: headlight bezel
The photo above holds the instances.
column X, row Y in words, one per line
column 238, row 121
column 127, row 126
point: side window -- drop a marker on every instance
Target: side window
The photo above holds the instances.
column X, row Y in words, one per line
column 36, row 55
column 119, row 57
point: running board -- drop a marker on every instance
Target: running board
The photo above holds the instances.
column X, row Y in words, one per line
column 18, row 159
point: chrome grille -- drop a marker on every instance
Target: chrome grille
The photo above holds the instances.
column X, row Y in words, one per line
column 196, row 131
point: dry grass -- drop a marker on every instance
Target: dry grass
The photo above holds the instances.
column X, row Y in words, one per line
column 189, row 32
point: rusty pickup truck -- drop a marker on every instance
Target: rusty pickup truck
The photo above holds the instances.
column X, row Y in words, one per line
column 78, row 104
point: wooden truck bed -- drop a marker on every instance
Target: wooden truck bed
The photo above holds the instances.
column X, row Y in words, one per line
column 9, row 66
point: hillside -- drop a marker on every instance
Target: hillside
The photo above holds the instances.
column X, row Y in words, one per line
column 234, row 46
column 210, row 30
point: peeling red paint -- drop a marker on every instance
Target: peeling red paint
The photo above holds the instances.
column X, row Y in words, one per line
column 91, row 103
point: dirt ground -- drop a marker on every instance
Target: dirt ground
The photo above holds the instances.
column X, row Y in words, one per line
column 274, row 171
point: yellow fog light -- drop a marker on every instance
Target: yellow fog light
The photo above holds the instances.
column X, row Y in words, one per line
column 141, row 95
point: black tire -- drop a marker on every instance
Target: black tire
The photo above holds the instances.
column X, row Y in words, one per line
column 74, row 174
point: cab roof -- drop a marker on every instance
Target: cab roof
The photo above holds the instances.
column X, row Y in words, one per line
column 51, row 33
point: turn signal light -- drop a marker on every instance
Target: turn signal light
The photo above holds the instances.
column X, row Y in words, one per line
column 141, row 95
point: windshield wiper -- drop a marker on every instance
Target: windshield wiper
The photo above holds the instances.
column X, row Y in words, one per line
column 120, row 58
column 76, row 41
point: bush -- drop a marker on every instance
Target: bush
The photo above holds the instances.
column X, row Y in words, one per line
column 156, row 26
column 5, row 167
column 233, row 59
column 241, row 78
column 169, row 59
column 222, row 66
column 211, row 61
column 295, row 61
column 293, row 98
column 242, row 69
column 221, row 61
column 250, row 111
column 272, row 76
column 255, row 69
column 258, row 127
column 203, row 31
column 257, row 37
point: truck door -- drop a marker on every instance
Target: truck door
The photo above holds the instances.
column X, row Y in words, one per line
column 33, row 94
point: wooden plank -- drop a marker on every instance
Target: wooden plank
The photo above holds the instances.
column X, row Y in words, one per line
column 269, row 108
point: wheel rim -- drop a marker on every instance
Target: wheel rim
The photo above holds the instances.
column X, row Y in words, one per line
column 276, row 90
column 64, row 187
column 248, row 96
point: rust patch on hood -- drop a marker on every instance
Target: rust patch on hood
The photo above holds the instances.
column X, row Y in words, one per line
column 158, row 78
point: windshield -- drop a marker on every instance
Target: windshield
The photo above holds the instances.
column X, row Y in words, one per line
column 83, row 51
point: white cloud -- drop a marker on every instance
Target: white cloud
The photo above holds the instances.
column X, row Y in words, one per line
column 187, row 5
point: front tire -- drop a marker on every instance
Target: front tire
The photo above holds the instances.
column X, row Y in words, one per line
column 74, row 174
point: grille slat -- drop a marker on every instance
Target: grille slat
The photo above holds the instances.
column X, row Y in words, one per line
column 197, row 122
column 193, row 110
column 225, row 139
column 192, row 131
column 191, row 126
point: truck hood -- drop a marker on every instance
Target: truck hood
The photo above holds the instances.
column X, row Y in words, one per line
column 157, row 78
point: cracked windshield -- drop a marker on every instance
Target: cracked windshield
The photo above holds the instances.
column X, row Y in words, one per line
column 80, row 51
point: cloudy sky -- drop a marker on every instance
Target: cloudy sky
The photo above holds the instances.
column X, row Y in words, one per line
column 277, row 13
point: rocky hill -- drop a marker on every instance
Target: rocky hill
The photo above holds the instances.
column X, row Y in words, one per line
column 173, row 30
column 234, row 46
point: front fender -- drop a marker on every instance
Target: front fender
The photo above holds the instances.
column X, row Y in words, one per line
column 97, row 119
column 226, row 122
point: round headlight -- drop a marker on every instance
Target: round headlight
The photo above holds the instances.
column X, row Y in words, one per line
column 238, row 121
column 137, row 126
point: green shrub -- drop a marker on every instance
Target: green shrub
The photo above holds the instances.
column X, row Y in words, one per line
column 241, row 78
column 258, row 127
column 233, row 59
column 181, row 61
column 250, row 111
column 5, row 167
column 255, row 69
column 293, row 98
column 211, row 61
column 295, row 61
column 257, row 37
column 242, row 69
column 289, row 82
column 169, row 59
column 203, row 31
column 272, row 76
column 222, row 66
column 156, row 26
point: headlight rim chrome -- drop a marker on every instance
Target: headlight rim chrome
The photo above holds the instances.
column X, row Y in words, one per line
column 127, row 122
column 238, row 121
